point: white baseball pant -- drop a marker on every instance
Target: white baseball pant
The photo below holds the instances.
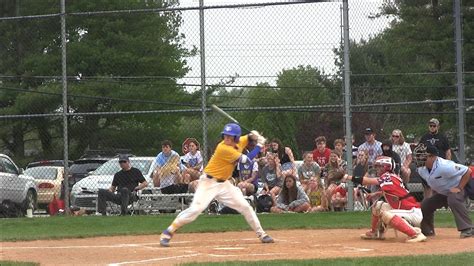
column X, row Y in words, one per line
column 383, row 209
column 224, row 192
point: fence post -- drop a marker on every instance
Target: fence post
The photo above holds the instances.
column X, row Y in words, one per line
column 65, row 106
column 203, row 80
column 459, row 80
column 347, row 102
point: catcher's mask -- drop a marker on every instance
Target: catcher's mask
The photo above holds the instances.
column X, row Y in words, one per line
column 420, row 154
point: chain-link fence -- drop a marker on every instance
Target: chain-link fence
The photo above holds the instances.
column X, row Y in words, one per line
column 139, row 73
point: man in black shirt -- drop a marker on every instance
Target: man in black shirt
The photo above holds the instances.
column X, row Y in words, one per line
column 437, row 139
column 125, row 181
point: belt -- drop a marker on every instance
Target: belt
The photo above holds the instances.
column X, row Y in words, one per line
column 217, row 180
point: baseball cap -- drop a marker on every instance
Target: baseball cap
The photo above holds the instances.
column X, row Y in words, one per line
column 368, row 131
column 434, row 121
column 430, row 149
column 123, row 157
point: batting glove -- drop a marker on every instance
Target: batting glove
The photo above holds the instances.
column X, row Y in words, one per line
column 260, row 139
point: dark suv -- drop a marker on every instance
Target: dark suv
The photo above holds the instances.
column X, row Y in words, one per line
column 48, row 163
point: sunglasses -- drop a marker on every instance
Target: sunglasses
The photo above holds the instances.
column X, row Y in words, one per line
column 433, row 125
column 395, row 136
column 123, row 161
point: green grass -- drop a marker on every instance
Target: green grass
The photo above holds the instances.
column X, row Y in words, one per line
column 16, row 263
column 88, row 226
column 432, row 260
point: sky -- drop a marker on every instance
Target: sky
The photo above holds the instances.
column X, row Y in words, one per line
column 258, row 43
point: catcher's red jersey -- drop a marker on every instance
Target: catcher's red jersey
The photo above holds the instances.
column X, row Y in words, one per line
column 393, row 189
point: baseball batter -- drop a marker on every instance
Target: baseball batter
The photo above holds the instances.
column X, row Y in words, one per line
column 214, row 184
column 401, row 211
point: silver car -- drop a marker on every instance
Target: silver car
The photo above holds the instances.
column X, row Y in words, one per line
column 15, row 186
column 84, row 193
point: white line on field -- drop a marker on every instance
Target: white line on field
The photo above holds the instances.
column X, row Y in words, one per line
column 156, row 259
column 229, row 248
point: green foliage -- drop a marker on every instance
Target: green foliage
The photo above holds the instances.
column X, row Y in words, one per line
column 101, row 50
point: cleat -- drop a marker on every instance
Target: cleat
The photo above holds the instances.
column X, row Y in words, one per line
column 267, row 239
column 165, row 238
column 467, row 233
column 419, row 237
column 370, row 235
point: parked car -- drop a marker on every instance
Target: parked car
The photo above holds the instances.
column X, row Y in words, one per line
column 48, row 163
column 15, row 186
column 84, row 193
column 82, row 167
column 48, row 181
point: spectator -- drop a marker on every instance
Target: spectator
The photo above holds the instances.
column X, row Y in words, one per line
column 437, row 139
column 309, row 171
column 167, row 174
column 125, row 181
column 371, row 145
column 284, row 153
column 271, row 176
column 335, row 171
column 340, row 145
column 403, row 149
column 321, row 153
column 361, row 168
column 193, row 162
column 291, row 198
column 387, row 151
column 247, row 177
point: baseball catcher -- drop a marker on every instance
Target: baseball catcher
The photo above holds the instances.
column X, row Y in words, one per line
column 214, row 183
column 401, row 211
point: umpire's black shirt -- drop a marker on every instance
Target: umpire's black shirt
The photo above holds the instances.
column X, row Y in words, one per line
column 129, row 179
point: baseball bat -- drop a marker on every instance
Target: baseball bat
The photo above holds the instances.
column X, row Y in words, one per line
column 225, row 114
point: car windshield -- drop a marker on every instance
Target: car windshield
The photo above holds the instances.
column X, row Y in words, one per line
column 83, row 168
column 111, row 167
column 42, row 172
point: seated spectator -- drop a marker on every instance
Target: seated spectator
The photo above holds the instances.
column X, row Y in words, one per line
column 308, row 172
column 335, row 171
column 321, row 153
column 167, row 174
column 403, row 149
column 126, row 181
column 271, row 176
column 247, row 180
column 291, row 198
column 339, row 145
column 371, row 145
column 285, row 155
column 193, row 163
column 361, row 167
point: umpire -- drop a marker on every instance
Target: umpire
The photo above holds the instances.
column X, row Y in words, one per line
column 448, row 181
column 127, row 180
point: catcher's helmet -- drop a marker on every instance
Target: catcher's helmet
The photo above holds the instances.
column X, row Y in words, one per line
column 386, row 163
column 232, row 129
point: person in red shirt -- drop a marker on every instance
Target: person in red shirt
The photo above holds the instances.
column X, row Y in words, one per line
column 321, row 153
column 401, row 211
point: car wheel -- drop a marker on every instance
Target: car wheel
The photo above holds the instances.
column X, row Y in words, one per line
column 30, row 201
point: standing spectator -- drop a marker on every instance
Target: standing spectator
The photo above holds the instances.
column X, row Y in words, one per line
column 308, row 172
column 403, row 149
column 285, row 155
column 291, row 198
column 437, row 139
column 167, row 174
column 193, row 162
column 321, row 153
column 387, row 151
column 371, row 145
column 448, row 180
column 271, row 176
column 126, row 181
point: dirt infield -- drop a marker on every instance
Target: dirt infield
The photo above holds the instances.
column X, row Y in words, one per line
column 290, row 244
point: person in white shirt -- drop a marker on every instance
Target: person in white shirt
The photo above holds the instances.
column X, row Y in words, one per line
column 371, row 145
column 403, row 149
column 449, row 182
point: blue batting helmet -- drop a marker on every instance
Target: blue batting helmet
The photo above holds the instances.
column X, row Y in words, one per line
column 232, row 129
